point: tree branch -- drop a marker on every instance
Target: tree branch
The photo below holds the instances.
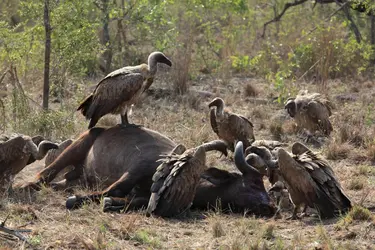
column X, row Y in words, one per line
column 14, row 232
column 278, row 17
column 354, row 27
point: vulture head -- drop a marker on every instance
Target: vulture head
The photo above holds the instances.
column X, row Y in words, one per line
column 158, row 57
column 218, row 103
column 290, row 106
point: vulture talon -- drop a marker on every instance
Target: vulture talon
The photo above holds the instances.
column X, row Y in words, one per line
column 293, row 217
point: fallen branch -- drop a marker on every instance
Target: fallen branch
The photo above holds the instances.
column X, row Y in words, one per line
column 14, row 232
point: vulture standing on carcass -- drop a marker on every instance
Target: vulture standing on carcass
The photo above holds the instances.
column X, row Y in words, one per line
column 177, row 177
column 230, row 127
column 311, row 182
column 120, row 89
column 19, row 151
column 311, row 111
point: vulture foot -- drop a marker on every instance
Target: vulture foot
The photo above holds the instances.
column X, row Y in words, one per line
column 131, row 125
column 293, row 217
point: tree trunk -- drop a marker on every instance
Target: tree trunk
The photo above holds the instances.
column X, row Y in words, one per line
column 47, row 54
column 372, row 18
column 107, row 55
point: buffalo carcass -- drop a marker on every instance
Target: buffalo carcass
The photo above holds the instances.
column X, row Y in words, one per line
column 125, row 160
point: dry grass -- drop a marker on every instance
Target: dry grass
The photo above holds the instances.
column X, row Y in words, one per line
column 250, row 90
column 338, row 151
column 185, row 119
column 276, row 130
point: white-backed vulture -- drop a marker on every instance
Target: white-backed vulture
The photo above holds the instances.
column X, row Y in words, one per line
column 54, row 153
column 120, row 89
column 230, row 127
column 177, row 177
column 310, row 111
column 311, row 182
column 19, row 151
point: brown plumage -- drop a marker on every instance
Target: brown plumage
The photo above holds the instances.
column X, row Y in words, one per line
column 19, row 151
column 311, row 111
column 229, row 126
column 120, row 89
column 177, row 177
column 311, row 182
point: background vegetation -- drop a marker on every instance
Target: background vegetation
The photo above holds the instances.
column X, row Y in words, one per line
column 218, row 48
column 313, row 41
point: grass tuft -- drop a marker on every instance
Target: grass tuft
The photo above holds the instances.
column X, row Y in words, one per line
column 144, row 237
column 337, row 151
column 250, row 90
column 217, row 229
column 268, row 231
column 356, row 183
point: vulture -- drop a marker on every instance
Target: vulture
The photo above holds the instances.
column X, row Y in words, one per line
column 230, row 127
column 265, row 160
column 311, row 182
column 311, row 112
column 19, row 151
column 120, row 89
column 54, row 153
column 177, row 177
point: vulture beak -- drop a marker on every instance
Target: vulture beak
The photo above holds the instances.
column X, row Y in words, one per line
column 216, row 102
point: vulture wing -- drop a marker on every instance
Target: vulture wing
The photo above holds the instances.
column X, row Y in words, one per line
column 330, row 198
column 172, row 192
column 112, row 91
column 11, row 149
column 319, row 114
column 213, row 121
column 300, row 184
column 242, row 128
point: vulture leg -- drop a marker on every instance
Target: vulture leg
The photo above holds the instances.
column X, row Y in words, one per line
column 124, row 119
column 303, row 214
column 294, row 215
column 125, row 122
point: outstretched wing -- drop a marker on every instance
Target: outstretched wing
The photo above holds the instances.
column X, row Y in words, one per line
column 111, row 92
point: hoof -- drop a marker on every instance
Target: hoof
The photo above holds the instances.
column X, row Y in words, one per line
column 107, row 204
column 72, row 202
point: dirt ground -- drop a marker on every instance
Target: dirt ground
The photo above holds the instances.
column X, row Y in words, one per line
column 350, row 151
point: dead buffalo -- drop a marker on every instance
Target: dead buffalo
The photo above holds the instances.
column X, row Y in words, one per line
column 126, row 159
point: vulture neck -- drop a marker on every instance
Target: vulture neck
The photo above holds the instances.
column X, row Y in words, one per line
column 152, row 65
column 220, row 109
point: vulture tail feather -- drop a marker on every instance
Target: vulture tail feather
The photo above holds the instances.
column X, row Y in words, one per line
column 85, row 105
